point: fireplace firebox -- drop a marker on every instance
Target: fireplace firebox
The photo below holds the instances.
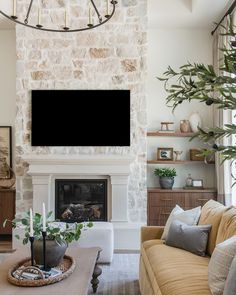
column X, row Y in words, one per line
column 78, row 200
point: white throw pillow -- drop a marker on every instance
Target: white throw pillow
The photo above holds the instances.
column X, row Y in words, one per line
column 190, row 217
column 230, row 283
column 219, row 265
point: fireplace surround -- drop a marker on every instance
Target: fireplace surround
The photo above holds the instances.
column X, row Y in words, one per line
column 46, row 169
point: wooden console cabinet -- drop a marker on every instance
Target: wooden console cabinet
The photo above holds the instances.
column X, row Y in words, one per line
column 7, row 209
column 161, row 202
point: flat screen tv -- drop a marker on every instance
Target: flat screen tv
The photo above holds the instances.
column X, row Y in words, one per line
column 80, row 118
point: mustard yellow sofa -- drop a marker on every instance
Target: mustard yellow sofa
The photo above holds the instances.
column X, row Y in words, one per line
column 166, row 270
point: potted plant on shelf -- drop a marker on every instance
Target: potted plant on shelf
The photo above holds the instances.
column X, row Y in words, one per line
column 58, row 235
column 166, row 177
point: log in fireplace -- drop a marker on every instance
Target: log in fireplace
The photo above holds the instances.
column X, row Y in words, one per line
column 78, row 200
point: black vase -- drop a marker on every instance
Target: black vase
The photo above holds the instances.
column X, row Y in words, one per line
column 166, row 182
column 54, row 252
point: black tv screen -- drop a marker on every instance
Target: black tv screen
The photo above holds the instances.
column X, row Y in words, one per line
column 80, row 118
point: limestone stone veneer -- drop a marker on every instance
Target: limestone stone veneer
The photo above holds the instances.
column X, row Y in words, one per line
column 45, row 169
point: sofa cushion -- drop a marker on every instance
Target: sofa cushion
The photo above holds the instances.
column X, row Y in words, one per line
column 176, row 271
column 219, row 265
column 192, row 238
column 150, row 243
column 230, row 284
column 189, row 217
column 212, row 213
column 227, row 227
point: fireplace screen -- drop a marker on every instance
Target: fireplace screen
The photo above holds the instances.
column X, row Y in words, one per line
column 81, row 200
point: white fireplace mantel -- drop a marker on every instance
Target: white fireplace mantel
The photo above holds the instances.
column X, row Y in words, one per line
column 79, row 164
column 45, row 169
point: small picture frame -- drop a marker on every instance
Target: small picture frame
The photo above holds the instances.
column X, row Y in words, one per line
column 165, row 154
column 197, row 183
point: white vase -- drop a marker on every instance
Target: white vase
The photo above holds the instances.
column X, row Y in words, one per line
column 195, row 121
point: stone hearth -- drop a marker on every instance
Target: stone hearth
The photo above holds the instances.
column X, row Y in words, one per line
column 45, row 169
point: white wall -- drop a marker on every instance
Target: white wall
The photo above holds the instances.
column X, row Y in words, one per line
column 8, row 79
column 175, row 47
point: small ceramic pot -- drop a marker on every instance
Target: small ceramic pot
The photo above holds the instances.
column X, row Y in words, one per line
column 166, row 182
column 185, row 126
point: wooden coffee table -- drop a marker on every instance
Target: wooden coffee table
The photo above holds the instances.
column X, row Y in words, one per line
column 86, row 272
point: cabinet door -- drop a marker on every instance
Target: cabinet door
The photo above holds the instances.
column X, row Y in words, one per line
column 7, row 210
column 159, row 215
column 162, row 199
column 198, row 199
column 160, row 205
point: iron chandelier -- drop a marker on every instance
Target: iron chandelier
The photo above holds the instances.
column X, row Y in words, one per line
column 101, row 18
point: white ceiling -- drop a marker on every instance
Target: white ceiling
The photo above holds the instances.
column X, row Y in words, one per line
column 168, row 13
column 186, row 13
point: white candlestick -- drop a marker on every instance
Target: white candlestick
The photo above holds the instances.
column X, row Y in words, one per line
column 14, row 8
column 65, row 19
column 39, row 16
column 107, row 7
column 90, row 18
column 31, row 223
column 44, row 218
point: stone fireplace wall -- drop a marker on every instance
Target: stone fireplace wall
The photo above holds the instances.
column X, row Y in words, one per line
column 110, row 57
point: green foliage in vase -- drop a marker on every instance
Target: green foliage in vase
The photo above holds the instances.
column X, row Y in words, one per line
column 196, row 81
column 165, row 172
column 57, row 231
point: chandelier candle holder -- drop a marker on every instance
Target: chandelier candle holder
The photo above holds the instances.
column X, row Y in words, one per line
column 103, row 15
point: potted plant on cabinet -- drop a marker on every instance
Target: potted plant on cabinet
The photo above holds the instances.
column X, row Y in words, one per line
column 58, row 235
column 166, row 177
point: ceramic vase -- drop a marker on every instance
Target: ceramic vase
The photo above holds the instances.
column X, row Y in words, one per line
column 185, row 126
column 195, row 121
column 54, row 252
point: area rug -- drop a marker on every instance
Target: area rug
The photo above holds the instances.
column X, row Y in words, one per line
column 120, row 277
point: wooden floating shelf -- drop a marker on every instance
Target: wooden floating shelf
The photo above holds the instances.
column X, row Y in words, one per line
column 174, row 134
column 176, row 162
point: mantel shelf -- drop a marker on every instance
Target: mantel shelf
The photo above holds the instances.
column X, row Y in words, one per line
column 174, row 134
column 176, row 162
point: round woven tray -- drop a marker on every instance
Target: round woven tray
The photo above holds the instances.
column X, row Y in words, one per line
column 67, row 266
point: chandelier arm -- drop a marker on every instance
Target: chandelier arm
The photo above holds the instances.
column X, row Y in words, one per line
column 59, row 31
column 98, row 14
column 28, row 12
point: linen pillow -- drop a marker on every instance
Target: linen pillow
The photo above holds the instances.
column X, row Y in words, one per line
column 227, row 227
column 230, row 284
column 190, row 217
column 192, row 238
column 212, row 213
column 219, row 265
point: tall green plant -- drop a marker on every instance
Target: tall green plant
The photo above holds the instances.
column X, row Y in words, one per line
column 196, row 81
